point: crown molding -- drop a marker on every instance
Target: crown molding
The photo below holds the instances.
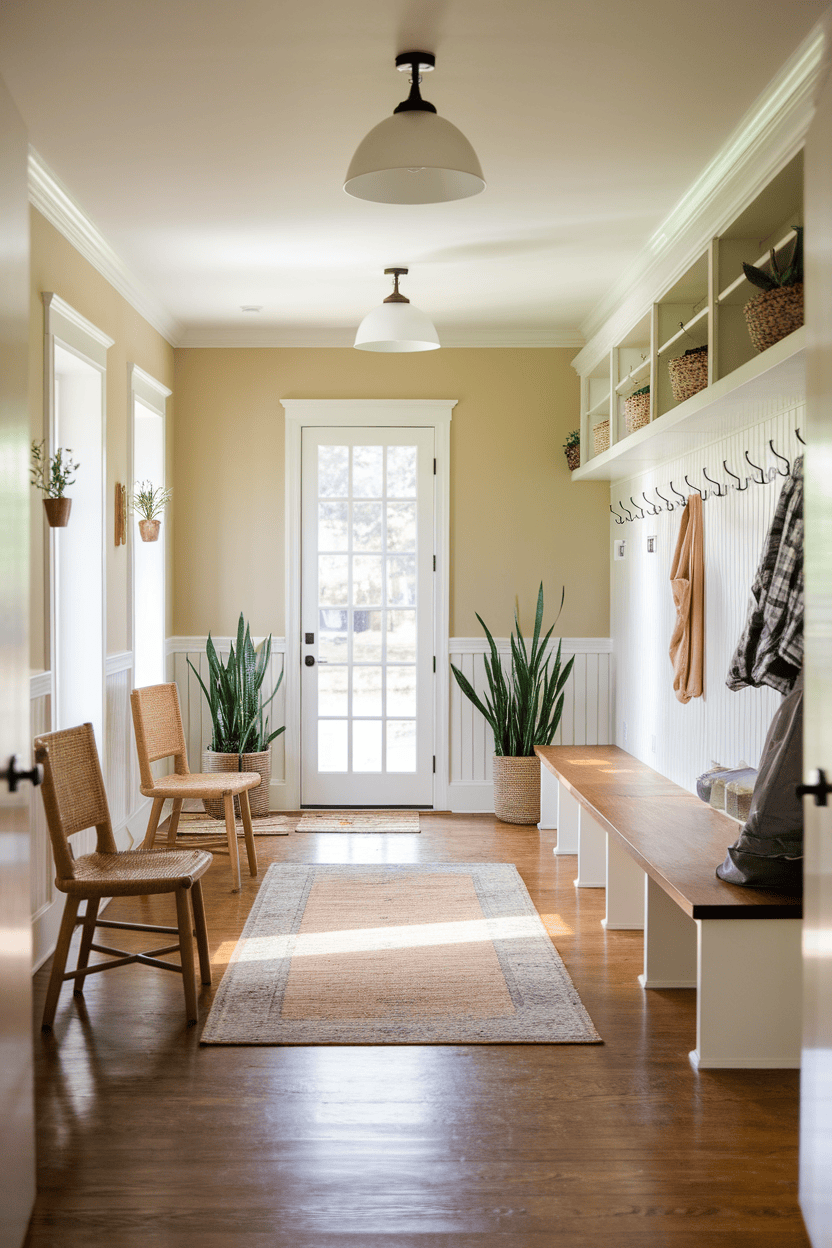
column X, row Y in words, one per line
column 286, row 336
column 54, row 202
column 770, row 133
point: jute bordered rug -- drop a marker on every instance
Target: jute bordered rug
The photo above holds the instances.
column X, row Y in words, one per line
column 447, row 953
column 198, row 824
column 360, row 821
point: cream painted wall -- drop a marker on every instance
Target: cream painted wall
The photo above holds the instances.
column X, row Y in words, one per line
column 516, row 517
column 57, row 266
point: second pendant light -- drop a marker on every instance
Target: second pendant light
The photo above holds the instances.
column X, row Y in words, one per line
column 396, row 325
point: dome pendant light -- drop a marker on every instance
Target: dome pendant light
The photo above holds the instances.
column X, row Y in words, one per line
column 415, row 156
column 396, row 325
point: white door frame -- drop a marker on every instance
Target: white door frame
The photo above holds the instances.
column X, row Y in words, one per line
column 368, row 413
column 152, row 394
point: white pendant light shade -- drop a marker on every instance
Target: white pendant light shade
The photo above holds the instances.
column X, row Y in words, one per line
column 396, row 325
column 414, row 158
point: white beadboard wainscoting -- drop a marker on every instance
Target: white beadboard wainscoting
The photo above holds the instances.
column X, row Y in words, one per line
column 196, row 718
column 586, row 716
column 128, row 809
column 587, row 712
column 680, row 741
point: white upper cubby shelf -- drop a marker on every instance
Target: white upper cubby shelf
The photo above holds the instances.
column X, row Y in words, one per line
column 702, row 309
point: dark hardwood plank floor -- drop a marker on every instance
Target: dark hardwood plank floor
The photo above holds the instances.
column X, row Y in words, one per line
column 147, row 1140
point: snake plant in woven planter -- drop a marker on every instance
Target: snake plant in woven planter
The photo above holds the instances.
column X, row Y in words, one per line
column 524, row 709
column 778, row 308
column 240, row 737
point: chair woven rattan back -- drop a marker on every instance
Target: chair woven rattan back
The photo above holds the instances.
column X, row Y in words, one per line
column 157, row 720
column 74, row 796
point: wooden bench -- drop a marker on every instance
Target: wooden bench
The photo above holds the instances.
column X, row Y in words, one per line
column 655, row 848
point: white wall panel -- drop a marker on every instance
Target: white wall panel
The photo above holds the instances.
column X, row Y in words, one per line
column 680, row 741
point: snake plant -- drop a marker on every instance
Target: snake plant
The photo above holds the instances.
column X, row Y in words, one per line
column 790, row 274
column 235, row 698
column 524, row 710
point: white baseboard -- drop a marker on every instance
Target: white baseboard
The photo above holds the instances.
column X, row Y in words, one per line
column 470, row 797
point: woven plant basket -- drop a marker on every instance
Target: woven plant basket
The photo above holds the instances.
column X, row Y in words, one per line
column 573, row 457
column 258, row 798
column 637, row 411
column 773, row 314
column 517, row 789
column 601, row 436
column 688, row 374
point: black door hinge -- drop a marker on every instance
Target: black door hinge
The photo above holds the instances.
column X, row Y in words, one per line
column 434, row 662
column 434, row 467
column 434, row 764
column 434, row 563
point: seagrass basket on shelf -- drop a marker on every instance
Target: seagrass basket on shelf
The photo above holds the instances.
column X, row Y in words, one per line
column 516, row 789
column 773, row 314
column 601, row 436
column 688, row 373
column 637, row 409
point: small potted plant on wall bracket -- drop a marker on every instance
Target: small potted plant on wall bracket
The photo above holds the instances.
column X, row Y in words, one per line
column 572, row 447
column 778, row 309
column 52, row 474
column 149, row 503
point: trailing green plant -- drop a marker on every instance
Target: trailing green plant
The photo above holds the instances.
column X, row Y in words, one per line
column 235, row 698
column 779, row 274
column 524, row 710
column 643, row 390
column 573, row 438
column 148, row 501
column 52, row 473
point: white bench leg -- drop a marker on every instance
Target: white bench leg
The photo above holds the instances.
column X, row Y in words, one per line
column 568, row 817
column 749, row 1003
column 669, row 942
column 548, row 800
column 625, row 891
column 592, row 853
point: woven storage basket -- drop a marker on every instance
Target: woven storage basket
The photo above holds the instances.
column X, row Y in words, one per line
column 517, row 789
column 601, row 436
column 773, row 314
column 573, row 457
column 688, row 374
column 637, row 411
column 258, row 798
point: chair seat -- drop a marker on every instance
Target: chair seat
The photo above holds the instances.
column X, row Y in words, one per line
column 203, row 784
column 135, row 873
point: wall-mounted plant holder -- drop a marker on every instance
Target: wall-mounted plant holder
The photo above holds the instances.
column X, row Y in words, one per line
column 120, row 515
column 57, row 511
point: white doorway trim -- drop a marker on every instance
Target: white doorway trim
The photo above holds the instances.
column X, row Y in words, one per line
column 151, row 394
column 368, row 413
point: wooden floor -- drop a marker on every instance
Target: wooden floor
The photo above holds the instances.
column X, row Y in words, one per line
column 148, row 1141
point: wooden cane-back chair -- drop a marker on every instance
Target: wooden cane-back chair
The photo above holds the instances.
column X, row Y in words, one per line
column 74, row 799
column 157, row 720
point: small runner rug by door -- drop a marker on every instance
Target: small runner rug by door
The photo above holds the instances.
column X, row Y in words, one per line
column 360, row 821
column 444, row 953
column 197, row 824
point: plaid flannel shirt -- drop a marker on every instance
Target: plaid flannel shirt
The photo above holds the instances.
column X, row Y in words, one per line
column 770, row 650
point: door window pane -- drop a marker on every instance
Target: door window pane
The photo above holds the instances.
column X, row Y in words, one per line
column 366, row 636
column 332, row 580
column 333, row 471
column 366, row 472
column 333, row 636
column 332, row 690
column 332, row 526
column 332, row 745
column 366, row 691
column 401, row 691
column 401, row 636
column 401, row 745
column 366, row 745
column 401, row 581
column 366, row 526
column 401, row 526
column 366, row 580
column 401, row 471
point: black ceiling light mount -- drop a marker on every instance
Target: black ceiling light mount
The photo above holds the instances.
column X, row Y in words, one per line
column 418, row 63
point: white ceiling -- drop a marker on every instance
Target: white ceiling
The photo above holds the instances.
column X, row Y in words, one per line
column 208, row 141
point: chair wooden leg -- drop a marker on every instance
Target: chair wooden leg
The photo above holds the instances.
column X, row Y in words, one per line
column 245, row 811
column 174, row 822
column 153, row 823
column 56, row 979
column 201, row 932
column 231, row 833
column 186, row 952
column 87, row 937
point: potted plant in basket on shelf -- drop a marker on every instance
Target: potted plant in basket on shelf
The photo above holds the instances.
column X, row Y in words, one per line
column 524, row 710
column 637, row 409
column 778, row 309
column 240, row 739
column 149, row 503
column 688, row 372
column 52, row 474
column 572, row 447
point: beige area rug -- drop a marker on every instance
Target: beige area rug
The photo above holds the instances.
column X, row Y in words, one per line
column 449, row 953
column 360, row 821
column 193, row 823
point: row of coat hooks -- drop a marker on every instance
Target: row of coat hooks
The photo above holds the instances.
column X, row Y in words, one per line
column 718, row 490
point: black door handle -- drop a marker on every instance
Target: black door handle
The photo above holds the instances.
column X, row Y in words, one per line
column 819, row 790
column 13, row 775
column 309, row 660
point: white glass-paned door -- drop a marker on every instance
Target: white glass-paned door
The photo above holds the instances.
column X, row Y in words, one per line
column 367, row 617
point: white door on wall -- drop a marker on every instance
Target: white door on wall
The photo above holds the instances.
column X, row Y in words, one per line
column 367, row 617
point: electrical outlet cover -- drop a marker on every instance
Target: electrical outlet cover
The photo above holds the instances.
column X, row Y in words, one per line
column 619, row 547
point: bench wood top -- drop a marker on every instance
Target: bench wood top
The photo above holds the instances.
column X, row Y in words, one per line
column 672, row 835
